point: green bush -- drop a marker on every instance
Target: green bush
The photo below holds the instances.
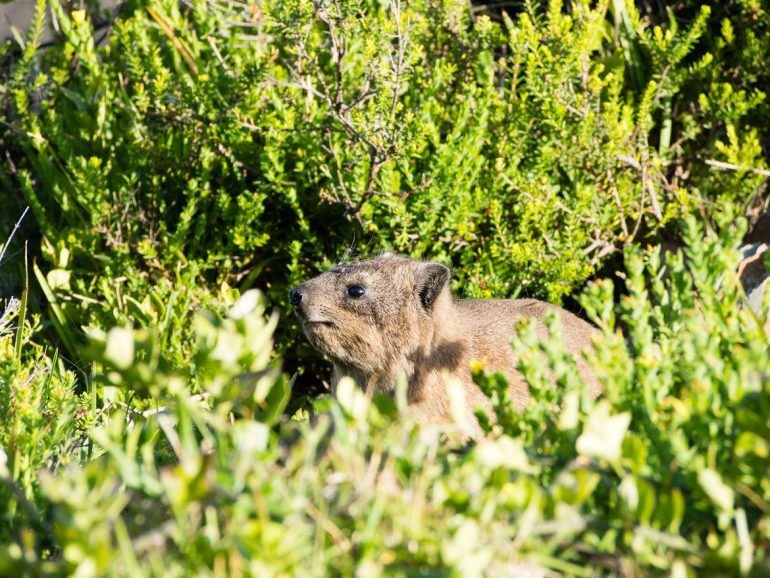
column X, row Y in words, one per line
column 199, row 150
column 42, row 428
column 666, row 473
column 196, row 144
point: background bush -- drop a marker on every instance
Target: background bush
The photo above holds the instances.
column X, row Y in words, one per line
column 198, row 144
column 187, row 153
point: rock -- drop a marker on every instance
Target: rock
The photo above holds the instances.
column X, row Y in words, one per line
column 751, row 269
column 759, row 232
column 19, row 14
column 754, row 277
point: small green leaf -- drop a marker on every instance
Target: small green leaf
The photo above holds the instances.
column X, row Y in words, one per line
column 58, row 279
column 119, row 348
column 603, row 433
column 720, row 493
column 505, row 452
column 352, row 399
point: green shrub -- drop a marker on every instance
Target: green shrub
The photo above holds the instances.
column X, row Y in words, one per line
column 193, row 146
column 666, row 473
column 681, row 428
column 193, row 154
column 42, row 427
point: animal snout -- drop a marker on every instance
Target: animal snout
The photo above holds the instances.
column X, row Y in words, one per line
column 295, row 296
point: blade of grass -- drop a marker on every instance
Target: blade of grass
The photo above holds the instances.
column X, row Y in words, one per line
column 49, row 376
column 57, row 315
column 22, row 309
column 178, row 43
column 10, row 238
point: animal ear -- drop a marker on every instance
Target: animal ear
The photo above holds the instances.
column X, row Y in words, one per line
column 431, row 280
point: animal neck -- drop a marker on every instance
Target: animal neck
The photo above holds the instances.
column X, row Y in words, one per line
column 439, row 347
column 445, row 326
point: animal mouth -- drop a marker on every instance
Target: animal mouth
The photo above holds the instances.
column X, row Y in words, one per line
column 315, row 322
column 311, row 322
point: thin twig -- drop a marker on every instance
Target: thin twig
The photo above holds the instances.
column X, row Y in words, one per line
column 402, row 37
column 616, row 196
column 732, row 167
column 653, row 199
column 218, row 55
column 381, row 141
column 329, row 527
column 347, row 201
column 175, row 40
column 158, row 411
column 630, row 161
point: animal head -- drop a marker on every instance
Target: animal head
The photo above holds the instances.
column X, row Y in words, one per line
column 372, row 315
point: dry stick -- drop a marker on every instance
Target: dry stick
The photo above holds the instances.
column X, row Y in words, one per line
column 398, row 65
column 218, row 54
column 15, row 228
column 654, row 200
column 333, row 96
column 376, row 160
column 347, row 201
column 338, row 53
column 648, row 187
column 733, row 167
column 169, row 31
column 616, row 196
column 329, row 527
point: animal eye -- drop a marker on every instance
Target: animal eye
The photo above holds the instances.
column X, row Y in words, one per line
column 356, row 291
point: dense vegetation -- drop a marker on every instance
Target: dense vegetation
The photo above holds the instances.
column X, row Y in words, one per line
column 187, row 153
column 187, row 150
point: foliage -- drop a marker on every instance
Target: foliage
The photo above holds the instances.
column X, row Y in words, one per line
column 195, row 150
column 42, row 421
column 676, row 448
column 665, row 473
column 203, row 142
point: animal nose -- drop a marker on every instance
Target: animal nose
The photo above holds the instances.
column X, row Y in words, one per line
column 295, row 296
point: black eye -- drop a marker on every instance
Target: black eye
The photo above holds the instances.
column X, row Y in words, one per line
column 356, row 291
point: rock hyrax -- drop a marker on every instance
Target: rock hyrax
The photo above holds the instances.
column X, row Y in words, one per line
column 392, row 316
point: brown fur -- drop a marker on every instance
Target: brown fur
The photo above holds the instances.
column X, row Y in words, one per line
column 407, row 324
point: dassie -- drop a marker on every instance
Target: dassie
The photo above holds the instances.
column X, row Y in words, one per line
column 392, row 316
